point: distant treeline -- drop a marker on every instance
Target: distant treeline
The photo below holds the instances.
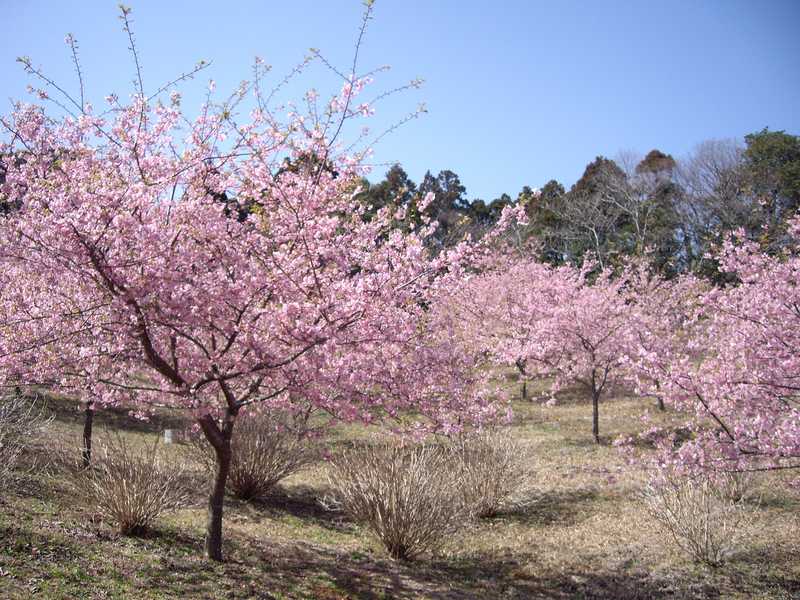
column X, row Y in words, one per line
column 672, row 211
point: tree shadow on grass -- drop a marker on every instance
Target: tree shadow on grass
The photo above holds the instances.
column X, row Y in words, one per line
column 301, row 502
column 26, row 544
column 172, row 563
column 773, row 500
column 552, row 508
column 28, row 482
column 746, row 570
column 170, row 540
column 277, row 570
column 588, row 443
column 70, row 410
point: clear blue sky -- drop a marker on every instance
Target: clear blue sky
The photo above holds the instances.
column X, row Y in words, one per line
column 518, row 92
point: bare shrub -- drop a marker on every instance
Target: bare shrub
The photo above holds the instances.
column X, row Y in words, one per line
column 704, row 515
column 131, row 486
column 493, row 473
column 21, row 420
column 735, row 486
column 265, row 448
column 407, row 496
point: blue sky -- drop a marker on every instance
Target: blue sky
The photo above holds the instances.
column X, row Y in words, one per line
column 518, row 92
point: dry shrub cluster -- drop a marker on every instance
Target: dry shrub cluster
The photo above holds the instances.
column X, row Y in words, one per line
column 266, row 448
column 408, row 496
column 131, row 486
column 705, row 515
column 493, row 473
column 21, row 420
column 412, row 496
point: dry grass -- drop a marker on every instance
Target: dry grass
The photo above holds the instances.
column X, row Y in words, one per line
column 587, row 536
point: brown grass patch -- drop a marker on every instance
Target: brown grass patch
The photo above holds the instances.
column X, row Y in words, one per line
column 588, row 536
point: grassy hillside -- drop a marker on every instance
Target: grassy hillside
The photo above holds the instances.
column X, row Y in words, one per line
column 585, row 536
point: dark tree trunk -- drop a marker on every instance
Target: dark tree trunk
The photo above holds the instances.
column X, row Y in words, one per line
column 88, row 420
column 520, row 364
column 220, row 440
column 216, row 502
column 596, row 390
column 660, row 398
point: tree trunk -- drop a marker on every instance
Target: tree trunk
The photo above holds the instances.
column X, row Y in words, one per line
column 660, row 398
column 88, row 420
column 596, row 390
column 220, row 440
column 216, row 500
column 520, row 364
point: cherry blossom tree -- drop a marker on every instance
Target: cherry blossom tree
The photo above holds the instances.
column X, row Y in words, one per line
column 551, row 322
column 738, row 374
column 662, row 315
column 160, row 261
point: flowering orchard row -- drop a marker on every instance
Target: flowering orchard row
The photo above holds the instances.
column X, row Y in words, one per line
column 728, row 358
